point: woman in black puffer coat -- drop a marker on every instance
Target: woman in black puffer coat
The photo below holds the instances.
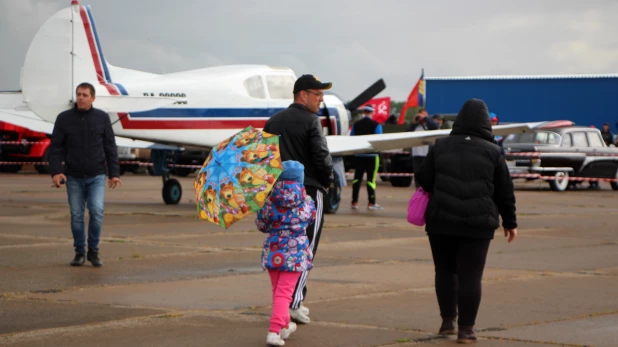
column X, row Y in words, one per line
column 470, row 186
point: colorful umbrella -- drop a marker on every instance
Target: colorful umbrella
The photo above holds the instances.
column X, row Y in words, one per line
column 237, row 176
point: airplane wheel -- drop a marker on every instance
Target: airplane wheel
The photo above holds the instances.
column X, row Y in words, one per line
column 332, row 199
column 172, row 191
column 561, row 183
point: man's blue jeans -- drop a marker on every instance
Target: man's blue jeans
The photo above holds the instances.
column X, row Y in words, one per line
column 86, row 192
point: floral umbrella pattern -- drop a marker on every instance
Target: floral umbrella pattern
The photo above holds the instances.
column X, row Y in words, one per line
column 237, row 176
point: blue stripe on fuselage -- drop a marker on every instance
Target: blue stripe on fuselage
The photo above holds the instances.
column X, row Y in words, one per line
column 121, row 88
column 213, row 113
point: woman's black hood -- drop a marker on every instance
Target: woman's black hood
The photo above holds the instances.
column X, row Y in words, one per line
column 473, row 119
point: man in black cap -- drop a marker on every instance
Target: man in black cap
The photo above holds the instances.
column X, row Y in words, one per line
column 301, row 138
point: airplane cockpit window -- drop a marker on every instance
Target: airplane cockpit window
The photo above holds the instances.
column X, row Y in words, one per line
column 255, row 87
column 280, row 86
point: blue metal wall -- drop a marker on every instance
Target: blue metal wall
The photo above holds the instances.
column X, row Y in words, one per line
column 583, row 100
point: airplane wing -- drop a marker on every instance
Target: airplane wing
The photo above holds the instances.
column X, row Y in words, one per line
column 28, row 119
column 347, row 145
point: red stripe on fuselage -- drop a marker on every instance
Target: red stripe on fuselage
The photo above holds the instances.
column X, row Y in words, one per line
column 214, row 124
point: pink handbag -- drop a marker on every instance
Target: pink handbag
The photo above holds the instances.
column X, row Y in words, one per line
column 417, row 207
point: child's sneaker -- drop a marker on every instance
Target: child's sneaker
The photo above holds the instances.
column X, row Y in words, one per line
column 273, row 339
column 303, row 309
column 286, row 332
column 355, row 205
column 299, row 317
column 374, row 207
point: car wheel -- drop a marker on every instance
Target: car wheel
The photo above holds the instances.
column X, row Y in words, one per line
column 401, row 181
column 614, row 184
column 43, row 168
column 560, row 183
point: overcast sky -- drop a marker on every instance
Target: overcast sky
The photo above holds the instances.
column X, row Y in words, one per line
column 350, row 43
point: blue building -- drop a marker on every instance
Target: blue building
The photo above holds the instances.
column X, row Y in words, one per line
column 583, row 99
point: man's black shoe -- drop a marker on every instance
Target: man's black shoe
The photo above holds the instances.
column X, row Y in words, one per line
column 93, row 257
column 79, row 260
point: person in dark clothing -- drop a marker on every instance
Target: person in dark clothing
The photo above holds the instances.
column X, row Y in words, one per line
column 84, row 140
column 470, row 187
column 607, row 135
column 392, row 119
column 369, row 162
column 438, row 120
column 421, row 122
column 301, row 138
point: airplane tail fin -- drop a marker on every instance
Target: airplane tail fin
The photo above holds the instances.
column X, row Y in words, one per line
column 65, row 52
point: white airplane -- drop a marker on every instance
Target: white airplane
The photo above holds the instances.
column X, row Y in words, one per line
column 197, row 108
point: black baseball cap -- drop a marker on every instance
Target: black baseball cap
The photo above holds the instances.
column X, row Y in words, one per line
column 306, row 82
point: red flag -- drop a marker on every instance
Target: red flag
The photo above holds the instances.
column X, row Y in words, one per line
column 382, row 107
column 416, row 97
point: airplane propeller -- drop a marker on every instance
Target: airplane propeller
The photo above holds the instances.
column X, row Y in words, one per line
column 366, row 95
column 362, row 98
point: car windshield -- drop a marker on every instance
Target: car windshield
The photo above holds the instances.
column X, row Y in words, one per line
column 534, row 138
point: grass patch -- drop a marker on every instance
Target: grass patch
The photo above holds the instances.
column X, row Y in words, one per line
column 404, row 340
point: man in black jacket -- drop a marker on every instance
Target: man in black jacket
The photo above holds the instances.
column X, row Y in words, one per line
column 84, row 140
column 470, row 186
column 301, row 138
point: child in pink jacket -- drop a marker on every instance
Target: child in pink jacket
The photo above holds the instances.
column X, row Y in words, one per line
column 285, row 216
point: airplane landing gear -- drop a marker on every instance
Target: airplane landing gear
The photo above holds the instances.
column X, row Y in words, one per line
column 172, row 190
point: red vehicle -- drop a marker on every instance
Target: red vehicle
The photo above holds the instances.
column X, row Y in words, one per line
column 20, row 144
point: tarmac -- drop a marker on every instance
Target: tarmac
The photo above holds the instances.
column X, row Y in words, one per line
column 171, row 280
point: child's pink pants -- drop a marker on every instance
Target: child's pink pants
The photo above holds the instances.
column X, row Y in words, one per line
column 283, row 284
